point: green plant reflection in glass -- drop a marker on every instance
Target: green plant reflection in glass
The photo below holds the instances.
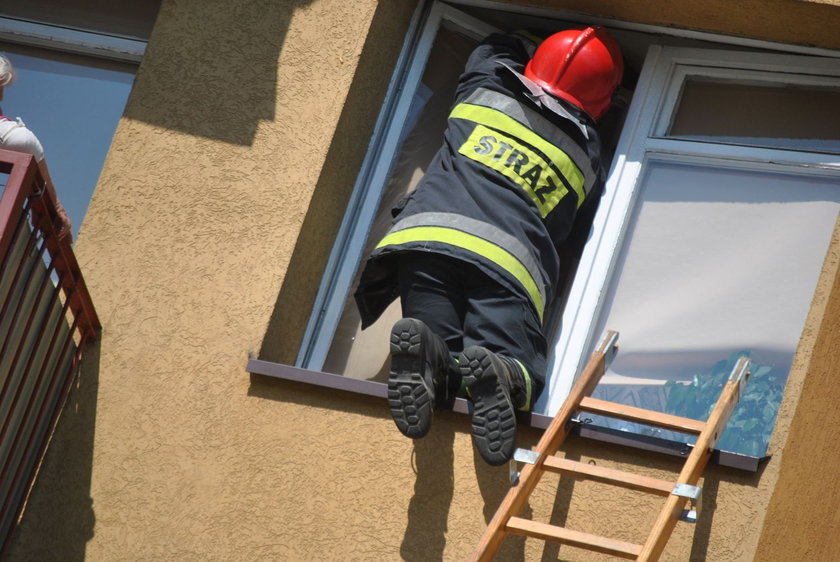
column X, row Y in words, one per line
column 751, row 424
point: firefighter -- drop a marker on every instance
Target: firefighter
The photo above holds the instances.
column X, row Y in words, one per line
column 473, row 251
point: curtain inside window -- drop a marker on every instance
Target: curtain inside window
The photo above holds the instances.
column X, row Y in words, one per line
column 718, row 263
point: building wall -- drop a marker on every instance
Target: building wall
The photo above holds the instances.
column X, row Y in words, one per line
column 205, row 240
column 802, row 517
column 805, row 22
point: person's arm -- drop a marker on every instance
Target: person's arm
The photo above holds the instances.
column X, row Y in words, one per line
column 65, row 229
column 488, row 60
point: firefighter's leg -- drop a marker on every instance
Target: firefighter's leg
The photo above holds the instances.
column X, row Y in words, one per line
column 423, row 376
column 503, row 363
column 431, row 291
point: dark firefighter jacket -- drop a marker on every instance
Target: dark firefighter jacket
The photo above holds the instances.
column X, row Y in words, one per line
column 503, row 191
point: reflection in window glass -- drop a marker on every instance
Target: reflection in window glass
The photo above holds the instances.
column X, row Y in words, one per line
column 73, row 104
column 782, row 116
column 720, row 263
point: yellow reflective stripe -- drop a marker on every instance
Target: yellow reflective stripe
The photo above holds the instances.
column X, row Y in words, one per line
column 527, row 377
column 495, row 254
column 518, row 163
column 498, row 120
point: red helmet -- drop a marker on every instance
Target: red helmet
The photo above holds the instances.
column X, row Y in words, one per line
column 582, row 66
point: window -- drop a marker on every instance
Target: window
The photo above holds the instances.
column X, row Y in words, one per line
column 707, row 243
column 803, row 117
column 73, row 104
column 710, row 240
column 407, row 142
column 72, row 84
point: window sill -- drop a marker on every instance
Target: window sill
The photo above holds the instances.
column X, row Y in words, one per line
column 537, row 421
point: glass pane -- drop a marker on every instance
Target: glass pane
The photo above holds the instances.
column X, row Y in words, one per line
column 782, row 116
column 73, row 104
column 364, row 354
column 718, row 263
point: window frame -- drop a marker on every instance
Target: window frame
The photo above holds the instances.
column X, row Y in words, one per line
column 49, row 41
column 346, row 253
column 644, row 139
column 70, row 40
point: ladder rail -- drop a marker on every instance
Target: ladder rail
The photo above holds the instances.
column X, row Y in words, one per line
column 550, row 441
column 696, row 462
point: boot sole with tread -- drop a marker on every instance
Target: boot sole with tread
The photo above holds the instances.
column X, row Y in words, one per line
column 410, row 395
column 494, row 417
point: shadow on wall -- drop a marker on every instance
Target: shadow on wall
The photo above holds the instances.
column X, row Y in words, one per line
column 59, row 518
column 335, row 183
column 215, row 67
column 427, row 530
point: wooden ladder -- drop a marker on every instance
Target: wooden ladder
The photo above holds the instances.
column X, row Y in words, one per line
column 543, row 459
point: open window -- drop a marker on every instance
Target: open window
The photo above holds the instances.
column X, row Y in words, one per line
column 434, row 60
column 720, row 205
column 409, row 139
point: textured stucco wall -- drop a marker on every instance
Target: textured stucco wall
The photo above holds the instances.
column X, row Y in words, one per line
column 166, row 451
column 803, row 22
column 802, row 518
column 205, row 239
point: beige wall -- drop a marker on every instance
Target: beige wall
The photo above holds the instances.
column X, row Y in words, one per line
column 803, row 518
column 214, row 169
column 805, row 22
column 206, row 238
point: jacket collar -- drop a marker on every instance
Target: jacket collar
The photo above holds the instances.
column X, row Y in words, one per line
column 543, row 99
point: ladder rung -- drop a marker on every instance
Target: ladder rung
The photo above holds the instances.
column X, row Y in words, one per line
column 609, row 476
column 640, row 415
column 545, row 531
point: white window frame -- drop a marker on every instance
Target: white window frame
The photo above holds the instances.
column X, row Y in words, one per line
column 644, row 139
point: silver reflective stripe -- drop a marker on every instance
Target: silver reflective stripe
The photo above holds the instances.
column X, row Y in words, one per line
column 540, row 125
column 483, row 230
column 543, row 98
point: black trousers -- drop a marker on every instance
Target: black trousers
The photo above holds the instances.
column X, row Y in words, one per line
column 466, row 307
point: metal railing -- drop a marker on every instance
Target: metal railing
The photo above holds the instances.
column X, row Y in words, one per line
column 46, row 318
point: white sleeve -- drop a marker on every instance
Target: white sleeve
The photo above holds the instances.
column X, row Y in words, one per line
column 15, row 136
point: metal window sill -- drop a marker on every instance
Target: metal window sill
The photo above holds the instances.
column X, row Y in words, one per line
column 537, row 421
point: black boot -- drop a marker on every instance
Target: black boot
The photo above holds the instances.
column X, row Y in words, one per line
column 422, row 377
column 497, row 387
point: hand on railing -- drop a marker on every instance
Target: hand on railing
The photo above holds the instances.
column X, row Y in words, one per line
column 65, row 227
column 65, row 230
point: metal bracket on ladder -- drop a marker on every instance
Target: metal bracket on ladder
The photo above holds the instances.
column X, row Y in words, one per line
column 695, row 495
column 609, row 347
column 526, row 456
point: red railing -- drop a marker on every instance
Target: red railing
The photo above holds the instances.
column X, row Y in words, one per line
column 46, row 318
